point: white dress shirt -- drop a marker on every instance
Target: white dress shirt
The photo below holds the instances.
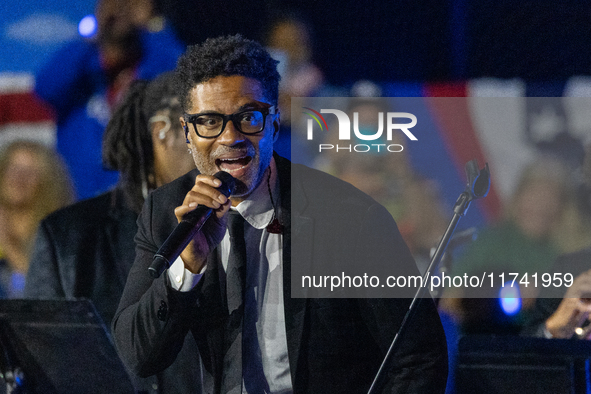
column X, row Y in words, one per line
column 265, row 273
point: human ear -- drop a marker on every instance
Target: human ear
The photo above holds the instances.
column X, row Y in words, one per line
column 185, row 129
column 276, row 126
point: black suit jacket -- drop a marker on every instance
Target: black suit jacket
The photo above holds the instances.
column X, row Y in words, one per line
column 334, row 345
column 85, row 251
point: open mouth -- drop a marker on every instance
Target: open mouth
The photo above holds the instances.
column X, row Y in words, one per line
column 233, row 164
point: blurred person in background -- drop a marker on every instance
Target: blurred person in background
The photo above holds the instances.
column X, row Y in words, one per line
column 564, row 312
column 526, row 241
column 87, row 78
column 290, row 40
column 33, row 183
column 86, row 250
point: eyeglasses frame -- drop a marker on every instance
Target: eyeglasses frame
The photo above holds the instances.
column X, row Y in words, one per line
column 271, row 110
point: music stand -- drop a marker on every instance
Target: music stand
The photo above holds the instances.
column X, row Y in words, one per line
column 519, row 365
column 58, row 346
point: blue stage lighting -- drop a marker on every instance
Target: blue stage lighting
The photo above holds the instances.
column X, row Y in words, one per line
column 510, row 299
column 87, row 26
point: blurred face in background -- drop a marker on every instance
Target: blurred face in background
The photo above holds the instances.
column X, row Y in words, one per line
column 117, row 18
column 119, row 23
column 22, row 179
column 171, row 158
column 538, row 208
column 293, row 39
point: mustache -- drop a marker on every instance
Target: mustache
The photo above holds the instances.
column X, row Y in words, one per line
column 242, row 148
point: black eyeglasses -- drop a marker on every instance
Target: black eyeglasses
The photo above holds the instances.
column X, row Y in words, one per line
column 212, row 125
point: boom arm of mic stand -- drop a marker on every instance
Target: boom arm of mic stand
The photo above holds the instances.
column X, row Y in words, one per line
column 460, row 208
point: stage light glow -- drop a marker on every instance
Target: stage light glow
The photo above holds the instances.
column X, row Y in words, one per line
column 87, row 26
column 510, row 299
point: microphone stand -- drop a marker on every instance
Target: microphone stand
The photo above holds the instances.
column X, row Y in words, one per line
column 476, row 188
column 444, row 265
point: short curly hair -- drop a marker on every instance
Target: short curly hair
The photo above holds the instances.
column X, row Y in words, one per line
column 226, row 56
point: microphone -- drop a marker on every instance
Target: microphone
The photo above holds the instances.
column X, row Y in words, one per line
column 191, row 223
column 478, row 180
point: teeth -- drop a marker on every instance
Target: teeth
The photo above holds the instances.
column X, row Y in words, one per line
column 233, row 159
column 232, row 162
column 235, row 169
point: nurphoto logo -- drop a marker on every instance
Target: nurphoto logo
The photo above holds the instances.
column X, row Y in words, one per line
column 392, row 120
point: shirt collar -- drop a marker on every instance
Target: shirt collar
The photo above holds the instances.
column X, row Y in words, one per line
column 257, row 208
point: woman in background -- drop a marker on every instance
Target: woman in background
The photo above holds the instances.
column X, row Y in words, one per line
column 33, row 183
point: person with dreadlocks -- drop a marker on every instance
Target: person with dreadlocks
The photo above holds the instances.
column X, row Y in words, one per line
column 85, row 250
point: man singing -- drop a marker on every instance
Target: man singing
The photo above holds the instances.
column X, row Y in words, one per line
column 231, row 286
